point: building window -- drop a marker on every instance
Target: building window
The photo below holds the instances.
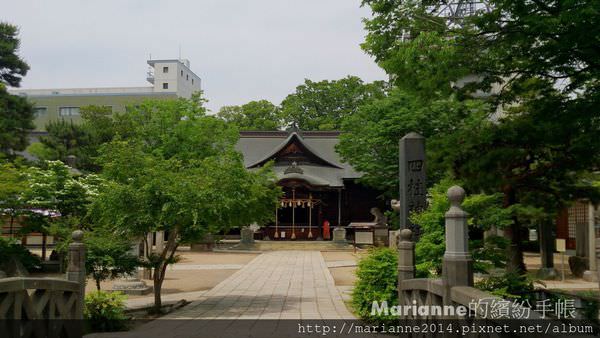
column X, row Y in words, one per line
column 182, row 73
column 187, row 77
column 40, row 111
column 165, row 69
column 68, row 111
column 165, row 85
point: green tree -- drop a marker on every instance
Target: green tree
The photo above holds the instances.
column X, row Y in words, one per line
column 323, row 105
column 254, row 115
column 57, row 200
column 13, row 184
column 178, row 172
column 536, row 64
column 16, row 114
column 12, row 67
column 108, row 257
column 370, row 136
column 65, row 138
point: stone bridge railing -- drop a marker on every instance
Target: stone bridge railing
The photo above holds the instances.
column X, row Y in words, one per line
column 456, row 285
column 27, row 298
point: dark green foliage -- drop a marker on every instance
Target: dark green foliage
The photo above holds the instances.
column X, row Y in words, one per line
column 535, row 136
column 83, row 140
column 16, row 120
column 12, row 67
column 377, row 280
column 325, row 104
column 508, row 285
column 105, row 311
column 16, row 114
column 10, row 248
column 254, row 115
column 371, row 135
column 484, row 211
column 108, row 257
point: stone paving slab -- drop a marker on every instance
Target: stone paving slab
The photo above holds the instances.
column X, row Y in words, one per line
column 205, row 267
column 274, row 286
column 340, row 264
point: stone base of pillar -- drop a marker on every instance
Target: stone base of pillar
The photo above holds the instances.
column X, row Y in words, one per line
column 590, row 276
column 339, row 235
column 458, row 271
column 131, row 286
column 547, row 273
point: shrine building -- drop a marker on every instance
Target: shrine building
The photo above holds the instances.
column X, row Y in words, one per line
column 320, row 191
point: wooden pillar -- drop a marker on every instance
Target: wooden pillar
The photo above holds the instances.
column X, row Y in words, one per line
column 310, row 205
column 276, row 235
column 339, row 208
column 293, row 236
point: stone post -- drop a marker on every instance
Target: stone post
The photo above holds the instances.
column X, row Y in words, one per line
column 406, row 258
column 457, row 263
column 76, row 269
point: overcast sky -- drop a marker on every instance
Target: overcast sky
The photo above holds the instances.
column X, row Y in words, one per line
column 242, row 50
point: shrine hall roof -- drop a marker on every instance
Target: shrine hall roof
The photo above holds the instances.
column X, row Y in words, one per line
column 258, row 147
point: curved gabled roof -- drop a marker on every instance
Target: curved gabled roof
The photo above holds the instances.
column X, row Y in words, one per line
column 293, row 137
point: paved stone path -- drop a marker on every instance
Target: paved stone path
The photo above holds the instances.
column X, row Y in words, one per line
column 275, row 285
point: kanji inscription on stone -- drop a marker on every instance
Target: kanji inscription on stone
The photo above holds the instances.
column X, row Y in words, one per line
column 413, row 179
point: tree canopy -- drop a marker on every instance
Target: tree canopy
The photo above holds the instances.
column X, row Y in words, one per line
column 254, row 115
column 526, row 76
column 178, row 172
column 323, row 105
column 16, row 114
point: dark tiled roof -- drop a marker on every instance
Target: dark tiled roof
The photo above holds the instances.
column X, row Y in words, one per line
column 257, row 146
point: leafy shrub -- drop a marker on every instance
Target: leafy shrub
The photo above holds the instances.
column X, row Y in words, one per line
column 509, row 285
column 9, row 247
column 484, row 212
column 377, row 280
column 105, row 311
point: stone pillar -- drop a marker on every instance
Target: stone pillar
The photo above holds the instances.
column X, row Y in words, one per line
column 76, row 269
column 406, row 260
column 457, row 263
column 413, row 187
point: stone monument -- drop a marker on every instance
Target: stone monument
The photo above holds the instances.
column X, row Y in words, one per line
column 413, row 180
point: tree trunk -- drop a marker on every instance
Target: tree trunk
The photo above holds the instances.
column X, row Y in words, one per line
column 97, row 284
column 515, row 262
column 157, row 289
column 159, row 272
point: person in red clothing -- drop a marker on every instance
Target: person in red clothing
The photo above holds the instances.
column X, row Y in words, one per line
column 326, row 234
